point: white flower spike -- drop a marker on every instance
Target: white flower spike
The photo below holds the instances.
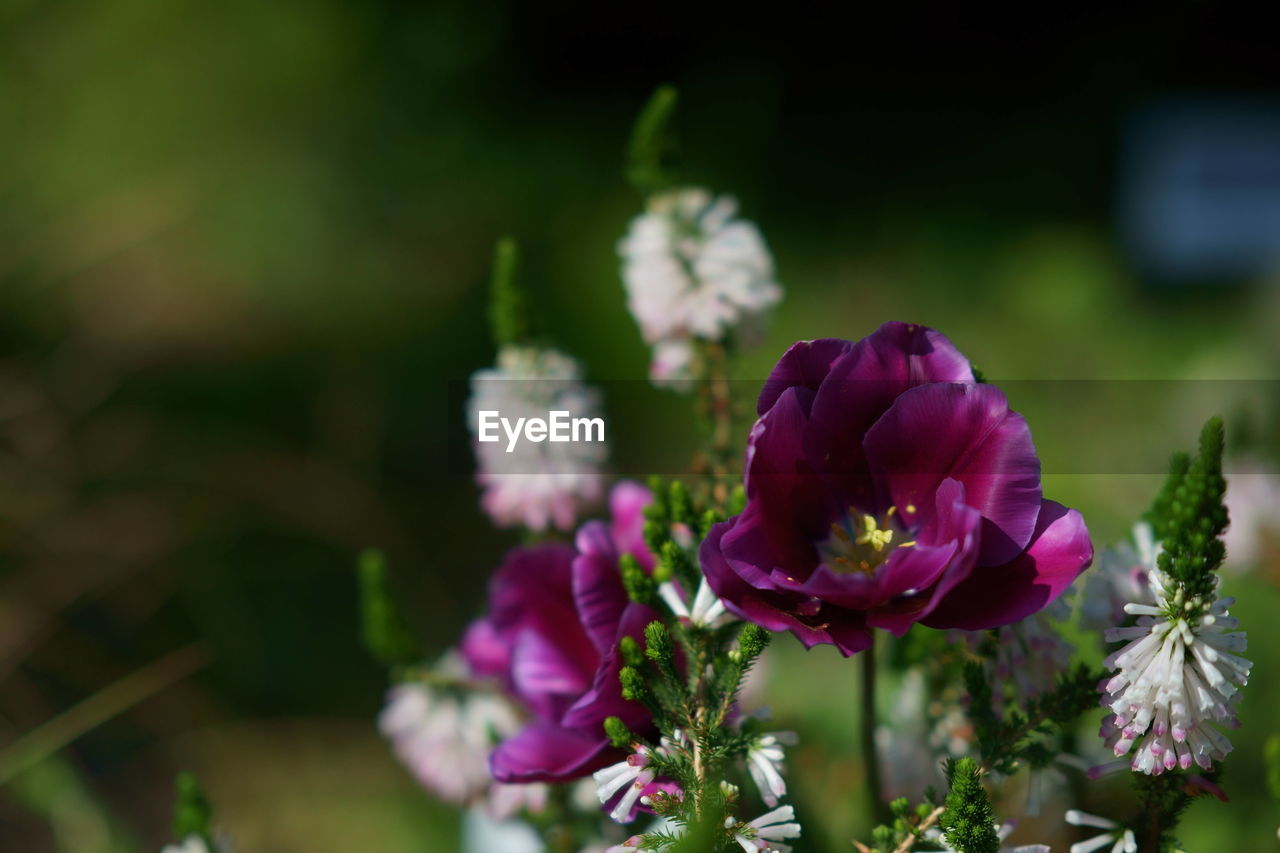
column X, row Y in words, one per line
column 1121, row 839
column 1178, row 675
column 764, row 832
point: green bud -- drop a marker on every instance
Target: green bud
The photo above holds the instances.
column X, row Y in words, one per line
column 651, row 145
column 678, row 563
column 633, row 687
column 658, row 508
column 658, row 646
column 656, row 535
column 192, row 815
column 968, row 822
column 710, row 519
column 681, row 503
column 386, row 635
column 506, row 302
column 1194, row 519
column 639, row 586
column 1160, row 515
column 618, row 733
column 632, row 654
column 753, row 640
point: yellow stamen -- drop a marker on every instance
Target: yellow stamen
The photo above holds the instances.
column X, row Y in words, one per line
column 874, row 535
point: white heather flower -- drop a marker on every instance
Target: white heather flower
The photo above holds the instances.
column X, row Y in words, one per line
column 763, row 832
column 1003, row 831
column 1177, row 675
column 707, row 610
column 481, row 833
column 765, row 763
column 693, row 269
column 1121, row 576
column 1253, row 501
column 539, row 484
column 1121, row 839
column 506, row 801
column 632, row 773
column 444, row 738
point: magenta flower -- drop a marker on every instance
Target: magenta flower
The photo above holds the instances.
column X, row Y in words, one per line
column 886, row 487
column 551, row 636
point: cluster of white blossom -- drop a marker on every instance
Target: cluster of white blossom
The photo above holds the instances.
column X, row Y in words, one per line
column 444, row 735
column 537, row 484
column 1177, row 676
column 766, row 761
column 694, row 270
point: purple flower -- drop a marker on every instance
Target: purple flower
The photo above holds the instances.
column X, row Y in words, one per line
column 886, row 487
column 551, row 637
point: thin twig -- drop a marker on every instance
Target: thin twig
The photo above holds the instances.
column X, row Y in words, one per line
column 58, row 732
column 910, row 841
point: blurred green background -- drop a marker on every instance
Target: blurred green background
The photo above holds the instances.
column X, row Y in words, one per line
column 243, row 250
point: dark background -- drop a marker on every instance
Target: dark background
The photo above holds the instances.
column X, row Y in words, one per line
column 243, row 250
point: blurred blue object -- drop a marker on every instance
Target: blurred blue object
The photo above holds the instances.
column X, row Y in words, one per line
column 1200, row 190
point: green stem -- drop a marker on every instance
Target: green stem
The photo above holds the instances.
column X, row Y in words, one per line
column 877, row 807
column 716, row 401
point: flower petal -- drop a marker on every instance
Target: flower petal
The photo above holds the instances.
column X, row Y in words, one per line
column 805, row 364
column 858, row 389
column 1000, row 595
column 545, row 675
column 947, row 549
column 604, row 698
column 487, row 653
column 542, row 752
column 779, row 478
column 627, row 501
column 964, row 431
column 777, row 610
column 597, row 586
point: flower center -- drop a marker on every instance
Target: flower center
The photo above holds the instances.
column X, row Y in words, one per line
column 860, row 542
